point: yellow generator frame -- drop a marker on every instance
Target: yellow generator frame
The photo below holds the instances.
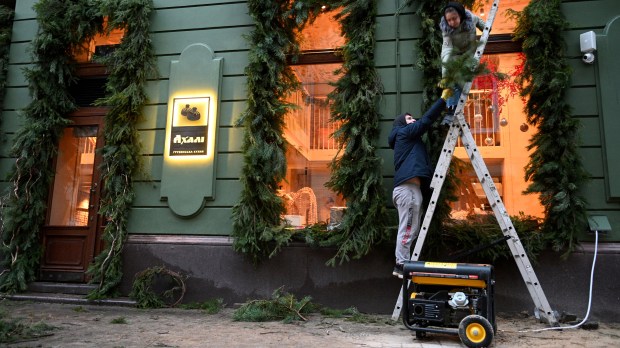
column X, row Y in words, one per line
column 452, row 298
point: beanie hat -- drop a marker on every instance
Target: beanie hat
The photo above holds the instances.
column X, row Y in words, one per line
column 458, row 7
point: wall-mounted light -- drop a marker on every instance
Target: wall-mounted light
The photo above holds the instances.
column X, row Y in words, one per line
column 587, row 43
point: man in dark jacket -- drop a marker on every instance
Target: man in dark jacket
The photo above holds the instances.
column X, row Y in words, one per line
column 412, row 169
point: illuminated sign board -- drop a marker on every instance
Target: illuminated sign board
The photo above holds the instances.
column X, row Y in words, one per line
column 190, row 126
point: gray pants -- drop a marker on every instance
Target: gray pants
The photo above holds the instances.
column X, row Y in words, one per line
column 407, row 199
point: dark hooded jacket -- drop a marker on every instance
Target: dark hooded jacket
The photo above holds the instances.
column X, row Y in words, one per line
column 410, row 156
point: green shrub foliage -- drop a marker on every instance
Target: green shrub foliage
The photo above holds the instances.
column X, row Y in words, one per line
column 282, row 306
column 147, row 288
column 356, row 175
column 555, row 168
column 63, row 25
column 479, row 238
column 130, row 65
column 428, row 52
column 269, row 81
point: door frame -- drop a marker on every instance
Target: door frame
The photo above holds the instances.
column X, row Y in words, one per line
column 90, row 234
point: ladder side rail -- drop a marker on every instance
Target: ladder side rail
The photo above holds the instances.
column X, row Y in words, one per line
column 503, row 218
column 447, row 152
column 399, row 303
column 446, row 155
column 438, row 178
column 484, row 38
column 440, row 175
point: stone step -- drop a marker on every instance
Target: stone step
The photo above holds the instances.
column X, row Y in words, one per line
column 61, row 288
column 69, row 299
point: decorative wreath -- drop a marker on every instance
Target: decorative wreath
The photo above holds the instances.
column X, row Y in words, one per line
column 142, row 290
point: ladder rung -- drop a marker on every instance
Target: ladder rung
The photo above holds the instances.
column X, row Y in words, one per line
column 460, row 129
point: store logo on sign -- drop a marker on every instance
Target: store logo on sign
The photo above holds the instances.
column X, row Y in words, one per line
column 178, row 139
column 189, row 126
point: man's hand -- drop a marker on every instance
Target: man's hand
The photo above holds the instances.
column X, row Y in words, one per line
column 446, row 93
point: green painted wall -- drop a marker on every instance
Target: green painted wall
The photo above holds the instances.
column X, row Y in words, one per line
column 175, row 25
column 16, row 97
column 221, row 24
column 589, row 97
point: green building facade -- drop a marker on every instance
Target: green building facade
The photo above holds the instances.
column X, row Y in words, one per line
column 181, row 215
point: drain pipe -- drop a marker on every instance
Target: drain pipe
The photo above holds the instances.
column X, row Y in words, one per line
column 397, row 58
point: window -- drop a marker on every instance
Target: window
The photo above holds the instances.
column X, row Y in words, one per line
column 71, row 195
column 92, row 76
column 308, row 127
column 498, row 124
column 101, row 45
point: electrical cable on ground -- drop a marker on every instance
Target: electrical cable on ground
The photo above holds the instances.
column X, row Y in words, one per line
column 589, row 297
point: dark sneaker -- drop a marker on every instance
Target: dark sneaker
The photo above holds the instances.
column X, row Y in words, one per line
column 398, row 271
column 447, row 119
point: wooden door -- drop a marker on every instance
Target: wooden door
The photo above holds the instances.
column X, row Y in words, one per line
column 71, row 235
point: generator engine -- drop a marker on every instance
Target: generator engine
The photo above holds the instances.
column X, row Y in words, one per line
column 454, row 298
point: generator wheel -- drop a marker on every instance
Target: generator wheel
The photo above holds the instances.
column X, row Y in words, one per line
column 475, row 331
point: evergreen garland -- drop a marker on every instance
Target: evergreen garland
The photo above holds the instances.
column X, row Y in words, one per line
column 482, row 235
column 555, row 167
column 129, row 66
column 63, row 25
column 256, row 218
column 269, row 81
column 282, row 306
column 147, row 288
column 428, row 51
column 429, row 61
column 356, row 174
column 257, row 225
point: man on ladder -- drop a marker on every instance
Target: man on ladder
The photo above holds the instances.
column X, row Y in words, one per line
column 460, row 129
column 412, row 175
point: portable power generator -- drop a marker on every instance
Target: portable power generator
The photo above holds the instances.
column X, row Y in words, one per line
column 452, row 298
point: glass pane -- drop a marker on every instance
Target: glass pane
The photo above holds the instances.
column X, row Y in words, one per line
column 503, row 23
column 101, row 45
column 308, row 131
column 74, row 176
column 322, row 34
column 310, row 148
column 498, row 124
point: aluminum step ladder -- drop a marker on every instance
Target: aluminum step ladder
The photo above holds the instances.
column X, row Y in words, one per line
column 460, row 129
